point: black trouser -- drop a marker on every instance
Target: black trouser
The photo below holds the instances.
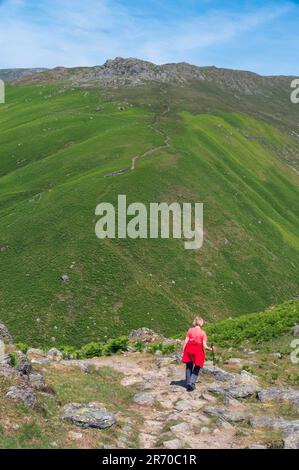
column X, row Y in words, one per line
column 191, row 373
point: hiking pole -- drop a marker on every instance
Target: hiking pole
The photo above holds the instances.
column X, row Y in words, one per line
column 213, row 354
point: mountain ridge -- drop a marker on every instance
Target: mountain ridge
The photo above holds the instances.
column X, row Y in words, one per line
column 131, row 71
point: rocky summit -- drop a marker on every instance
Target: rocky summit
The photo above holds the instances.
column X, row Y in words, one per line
column 121, row 72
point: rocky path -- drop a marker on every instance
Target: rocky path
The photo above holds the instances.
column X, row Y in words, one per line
column 225, row 410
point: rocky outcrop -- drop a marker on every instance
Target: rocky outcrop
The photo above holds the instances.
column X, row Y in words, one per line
column 280, row 394
column 279, row 424
column 4, row 334
column 9, row 75
column 24, row 366
column 54, row 354
column 7, row 371
column 230, row 415
column 146, row 335
column 22, row 393
column 37, row 381
column 120, row 72
column 236, row 391
column 91, row 415
column 219, row 374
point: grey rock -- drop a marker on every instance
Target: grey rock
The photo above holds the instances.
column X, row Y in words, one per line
column 292, row 441
column 65, row 278
column 40, row 360
column 145, row 399
column 131, row 71
column 219, row 374
column 236, row 391
column 230, row 415
column 24, row 366
column 5, row 359
column 280, row 424
column 90, row 415
column 181, row 428
column 183, row 405
column 143, row 334
column 7, row 371
column 54, row 354
column 15, row 74
column 37, row 381
column 248, row 378
column 280, row 394
column 35, row 352
column 5, row 335
column 22, row 393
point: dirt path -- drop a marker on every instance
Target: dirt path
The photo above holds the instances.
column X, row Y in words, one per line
column 150, row 152
column 172, row 417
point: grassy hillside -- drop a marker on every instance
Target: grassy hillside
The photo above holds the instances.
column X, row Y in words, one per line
column 57, row 145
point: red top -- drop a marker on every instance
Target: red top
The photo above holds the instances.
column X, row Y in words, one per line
column 196, row 335
column 194, row 351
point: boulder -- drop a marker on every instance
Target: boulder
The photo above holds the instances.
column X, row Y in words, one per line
column 24, row 366
column 219, row 374
column 22, row 393
column 292, row 441
column 7, row 371
column 247, row 378
column 145, row 399
column 54, row 354
column 33, row 352
column 37, row 382
column 236, row 391
column 143, row 334
column 90, row 415
column 5, row 335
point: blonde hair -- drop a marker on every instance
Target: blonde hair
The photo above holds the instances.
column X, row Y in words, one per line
column 198, row 321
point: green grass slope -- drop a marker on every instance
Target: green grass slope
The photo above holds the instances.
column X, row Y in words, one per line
column 57, row 145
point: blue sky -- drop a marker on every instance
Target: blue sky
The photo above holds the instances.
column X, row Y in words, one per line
column 262, row 36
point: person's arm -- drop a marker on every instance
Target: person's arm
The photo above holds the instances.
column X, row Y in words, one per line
column 206, row 347
column 205, row 344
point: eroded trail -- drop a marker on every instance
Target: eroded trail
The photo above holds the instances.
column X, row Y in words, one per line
column 223, row 412
column 150, row 152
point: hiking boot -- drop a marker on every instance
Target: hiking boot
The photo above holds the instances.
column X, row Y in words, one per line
column 190, row 388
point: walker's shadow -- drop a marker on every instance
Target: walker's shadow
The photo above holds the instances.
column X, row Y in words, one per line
column 179, row 383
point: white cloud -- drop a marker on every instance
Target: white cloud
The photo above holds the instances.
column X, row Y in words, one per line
column 72, row 32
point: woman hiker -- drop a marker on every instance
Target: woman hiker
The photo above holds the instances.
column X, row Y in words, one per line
column 193, row 354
